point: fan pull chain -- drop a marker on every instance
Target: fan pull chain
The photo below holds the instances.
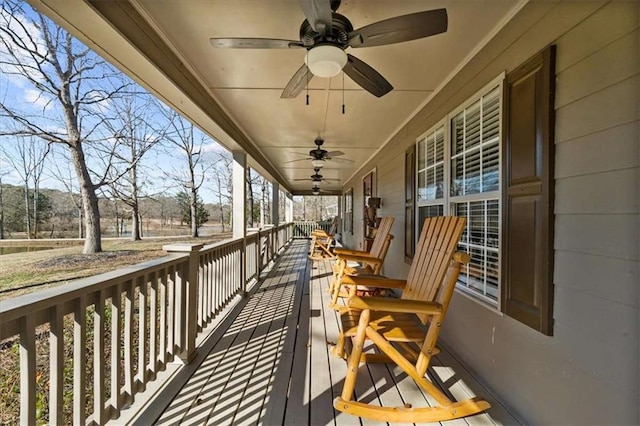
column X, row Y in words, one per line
column 307, row 77
column 343, row 110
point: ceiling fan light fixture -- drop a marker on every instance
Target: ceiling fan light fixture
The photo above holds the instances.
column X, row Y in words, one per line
column 318, row 164
column 315, row 190
column 326, row 60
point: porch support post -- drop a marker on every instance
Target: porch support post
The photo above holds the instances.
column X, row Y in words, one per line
column 239, row 218
column 289, row 208
column 187, row 313
column 275, row 204
column 275, row 215
column 339, row 231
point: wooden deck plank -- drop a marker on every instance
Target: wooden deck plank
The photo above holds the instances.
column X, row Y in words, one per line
column 321, row 395
column 297, row 405
column 275, row 404
column 273, row 365
column 259, row 387
column 337, row 366
column 232, row 399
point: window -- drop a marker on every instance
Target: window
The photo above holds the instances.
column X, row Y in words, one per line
column 348, row 211
column 458, row 164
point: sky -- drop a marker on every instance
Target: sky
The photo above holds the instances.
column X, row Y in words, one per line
column 18, row 93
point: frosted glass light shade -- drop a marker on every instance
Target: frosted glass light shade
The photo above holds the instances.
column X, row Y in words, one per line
column 326, row 61
column 318, row 164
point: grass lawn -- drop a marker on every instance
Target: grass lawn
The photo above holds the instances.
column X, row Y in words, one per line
column 60, row 265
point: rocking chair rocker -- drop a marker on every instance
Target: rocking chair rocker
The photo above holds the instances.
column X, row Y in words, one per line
column 397, row 326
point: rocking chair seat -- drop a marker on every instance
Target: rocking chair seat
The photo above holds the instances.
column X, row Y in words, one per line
column 395, row 327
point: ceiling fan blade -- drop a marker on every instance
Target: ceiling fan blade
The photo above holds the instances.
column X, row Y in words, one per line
column 319, row 182
column 254, row 43
column 401, row 28
column 367, row 77
column 332, row 154
column 300, row 79
column 342, row 160
column 318, row 13
column 299, row 159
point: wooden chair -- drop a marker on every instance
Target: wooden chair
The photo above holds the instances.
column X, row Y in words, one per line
column 405, row 330
column 368, row 262
column 322, row 242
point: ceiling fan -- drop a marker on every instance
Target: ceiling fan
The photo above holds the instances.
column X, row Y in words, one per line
column 326, row 34
column 317, row 178
column 318, row 155
column 317, row 191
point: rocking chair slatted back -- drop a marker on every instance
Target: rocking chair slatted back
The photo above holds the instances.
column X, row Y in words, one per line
column 380, row 239
column 436, row 246
column 334, row 226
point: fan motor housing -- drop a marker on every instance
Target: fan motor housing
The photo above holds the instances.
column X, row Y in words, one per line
column 336, row 35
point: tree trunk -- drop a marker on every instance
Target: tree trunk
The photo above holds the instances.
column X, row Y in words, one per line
column 92, row 242
column 35, row 208
column 27, row 210
column 1, row 213
column 250, row 206
column 135, row 223
column 79, row 222
column 220, row 200
column 194, row 213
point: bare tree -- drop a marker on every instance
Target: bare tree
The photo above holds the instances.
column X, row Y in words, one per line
column 182, row 138
column 221, row 177
column 27, row 157
column 71, row 83
column 63, row 173
column 137, row 132
column 3, row 172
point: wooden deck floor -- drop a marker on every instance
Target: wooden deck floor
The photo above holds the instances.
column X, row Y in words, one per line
column 272, row 364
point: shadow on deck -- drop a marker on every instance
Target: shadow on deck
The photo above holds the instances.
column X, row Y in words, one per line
column 269, row 363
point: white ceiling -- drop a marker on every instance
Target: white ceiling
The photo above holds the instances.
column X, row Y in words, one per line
column 247, row 83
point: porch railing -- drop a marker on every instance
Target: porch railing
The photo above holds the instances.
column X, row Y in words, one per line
column 123, row 327
column 303, row 229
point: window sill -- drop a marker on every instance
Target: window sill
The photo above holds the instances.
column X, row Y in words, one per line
column 471, row 296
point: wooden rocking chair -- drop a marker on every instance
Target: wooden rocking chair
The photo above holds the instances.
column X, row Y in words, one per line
column 370, row 263
column 322, row 242
column 397, row 327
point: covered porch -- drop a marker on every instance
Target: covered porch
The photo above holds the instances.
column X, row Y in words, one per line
column 269, row 362
column 258, row 353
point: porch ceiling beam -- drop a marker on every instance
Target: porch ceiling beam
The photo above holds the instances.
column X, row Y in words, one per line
column 126, row 19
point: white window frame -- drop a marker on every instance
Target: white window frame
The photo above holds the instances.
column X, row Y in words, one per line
column 448, row 201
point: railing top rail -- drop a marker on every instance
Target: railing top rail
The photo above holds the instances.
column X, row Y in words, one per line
column 14, row 308
column 223, row 243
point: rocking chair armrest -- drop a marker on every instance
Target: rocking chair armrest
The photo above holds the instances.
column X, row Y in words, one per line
column 394, row 305
column 345, row 251
column 373, row 281
column 361, row 259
